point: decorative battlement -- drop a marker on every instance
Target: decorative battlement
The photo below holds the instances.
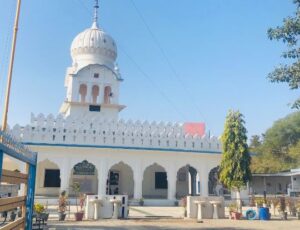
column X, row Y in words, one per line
column 88, row 131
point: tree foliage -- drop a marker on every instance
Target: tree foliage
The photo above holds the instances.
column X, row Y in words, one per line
column 235, row 166
column 289, row 34
column 280, row 149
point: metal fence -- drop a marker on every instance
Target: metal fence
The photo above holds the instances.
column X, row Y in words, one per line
column 11, row 147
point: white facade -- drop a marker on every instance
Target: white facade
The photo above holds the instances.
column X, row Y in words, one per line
column 147, row 159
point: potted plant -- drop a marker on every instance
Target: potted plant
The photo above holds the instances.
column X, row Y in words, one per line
column 76, row 189
column 38, row 208
column 62, row 206
column 233, row 213
column 176, row 203
column 82, row 200
column 141, row 202
column 12, row 215
column 40, row 212
column 282, row 208
column 259, row 202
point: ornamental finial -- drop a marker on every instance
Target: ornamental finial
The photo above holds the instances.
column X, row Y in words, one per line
column 95, row 20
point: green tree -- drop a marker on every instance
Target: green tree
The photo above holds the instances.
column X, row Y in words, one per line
column 284, row 134
column 255, row 142
column 280, row 148
column 235, row 165
column 288, row 33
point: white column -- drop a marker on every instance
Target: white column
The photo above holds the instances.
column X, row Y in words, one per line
column 138, row 181
column 65, row 173
column 171, row 187
column 89, row 93
column 171, row 176
column 203, row 181
column 101, row 94
column 102, row 177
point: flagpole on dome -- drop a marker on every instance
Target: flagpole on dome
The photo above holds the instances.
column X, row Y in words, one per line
column 95, row 19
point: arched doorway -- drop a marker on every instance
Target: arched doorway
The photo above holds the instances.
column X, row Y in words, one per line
column 85, row 173
column 48, row 181
column 155, row 183
column 187, row 182
column 215, row 188
column 120, row 180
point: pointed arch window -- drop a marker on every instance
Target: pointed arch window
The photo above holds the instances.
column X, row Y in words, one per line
column 95, row 94
column 82, row 92
column 107, row 94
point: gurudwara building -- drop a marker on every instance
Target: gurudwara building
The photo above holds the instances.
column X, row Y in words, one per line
column 87, row 142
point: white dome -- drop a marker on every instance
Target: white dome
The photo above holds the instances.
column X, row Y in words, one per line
column 95, row 45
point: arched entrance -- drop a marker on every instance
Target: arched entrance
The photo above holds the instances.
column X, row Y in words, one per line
column 120, row 180
column 85, row 173
column 48, row 181
column 155, row 183
column 215, row 188
column 187, row 182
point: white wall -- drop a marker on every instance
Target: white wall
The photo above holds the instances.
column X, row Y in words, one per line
column 104, row 158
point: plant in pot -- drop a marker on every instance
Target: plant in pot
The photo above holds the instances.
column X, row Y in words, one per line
column 12, row 215
column 141, row 202
column 62, row 205
column 38, row 209
column 233, row 213
column 259, row 202
column 76, row 189
column 282, row 208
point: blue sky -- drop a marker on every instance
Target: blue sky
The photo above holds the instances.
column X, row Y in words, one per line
column 214, row 56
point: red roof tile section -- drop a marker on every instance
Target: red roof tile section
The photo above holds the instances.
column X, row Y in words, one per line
column 193, row 128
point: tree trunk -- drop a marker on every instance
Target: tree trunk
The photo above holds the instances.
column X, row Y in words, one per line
column 238, row 201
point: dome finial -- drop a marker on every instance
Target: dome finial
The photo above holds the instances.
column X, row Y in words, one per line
column 95, row 19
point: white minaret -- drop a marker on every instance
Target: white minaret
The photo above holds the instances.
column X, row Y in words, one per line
column 93, row 80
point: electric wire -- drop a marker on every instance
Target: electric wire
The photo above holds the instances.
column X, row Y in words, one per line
column 146, row 76
column 167, row 60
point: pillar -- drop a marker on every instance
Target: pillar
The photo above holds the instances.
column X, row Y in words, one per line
column 138, row 181
column 171, row 177
column 171, row 186
column 65, row 172
column 102, row 177
column 88, row 93
column 203, row 181
column 193, row 181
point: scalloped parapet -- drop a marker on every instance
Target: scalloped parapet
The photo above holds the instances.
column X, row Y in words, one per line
column 100, row 132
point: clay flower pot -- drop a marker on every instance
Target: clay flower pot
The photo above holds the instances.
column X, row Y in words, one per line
column 235, row 215
column 79, row 216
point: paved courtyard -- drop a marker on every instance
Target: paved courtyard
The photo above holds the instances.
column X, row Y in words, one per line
column 169, row 218
column 170, row 224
